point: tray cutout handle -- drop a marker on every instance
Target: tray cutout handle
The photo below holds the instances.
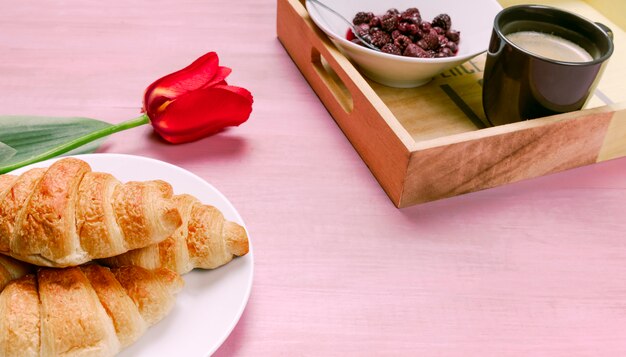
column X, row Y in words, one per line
column 334, row 84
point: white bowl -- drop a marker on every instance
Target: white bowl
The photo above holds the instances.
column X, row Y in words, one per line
column 474, row 19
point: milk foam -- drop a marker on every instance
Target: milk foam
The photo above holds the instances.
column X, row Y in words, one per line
column 549, row 46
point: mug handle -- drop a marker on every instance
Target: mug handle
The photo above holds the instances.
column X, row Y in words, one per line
column 606, row 29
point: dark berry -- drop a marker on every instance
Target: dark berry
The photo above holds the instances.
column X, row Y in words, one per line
column 412, row 29
column 391, row 48
column 404, row 33
column 453, row 47
column 453, row 35
column 402, row 41
column 411, row 15
column 363, row 29
column 375, row 22
column 430, row 40
column 442, row 21
column 380, row 38
column 414, row 50
column 410, row 12
column 389, row 22
column 446, row 51
column 362, row 18
column 417, row 36
column 413, row 20
column 443, row 40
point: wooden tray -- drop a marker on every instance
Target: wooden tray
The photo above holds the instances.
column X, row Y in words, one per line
column 430, row 142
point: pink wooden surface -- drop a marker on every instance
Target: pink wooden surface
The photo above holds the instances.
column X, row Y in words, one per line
column 533, row 268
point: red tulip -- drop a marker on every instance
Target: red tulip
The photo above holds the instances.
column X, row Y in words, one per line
column 183, row 106
column 196, row 101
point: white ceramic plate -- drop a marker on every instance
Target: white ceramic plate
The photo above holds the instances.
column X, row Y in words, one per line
column 211, row 303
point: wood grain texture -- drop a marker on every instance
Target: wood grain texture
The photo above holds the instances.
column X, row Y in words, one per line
column 499, row 159
column 614, row 145
column 534, row 268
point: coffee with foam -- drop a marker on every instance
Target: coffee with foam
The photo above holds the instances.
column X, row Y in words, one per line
column 549, row 46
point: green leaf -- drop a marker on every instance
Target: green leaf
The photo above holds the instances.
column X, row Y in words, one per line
column 6, row 152
column 26, row 138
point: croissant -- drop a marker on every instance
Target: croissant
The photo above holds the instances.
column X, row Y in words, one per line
column 67, row 215
column 204, row 240
column 86, row 310
column 11, row 269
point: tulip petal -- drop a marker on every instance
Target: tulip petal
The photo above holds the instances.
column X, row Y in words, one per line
column 241, row 91
column 203, row 112
column 220, row 76
column 200, row 74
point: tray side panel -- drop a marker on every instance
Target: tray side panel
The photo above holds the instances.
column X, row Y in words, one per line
column 615, row 142
column 377, row 142
column 474, row 165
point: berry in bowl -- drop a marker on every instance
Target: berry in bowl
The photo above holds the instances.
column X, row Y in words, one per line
column 417, row 39
column 406, row 33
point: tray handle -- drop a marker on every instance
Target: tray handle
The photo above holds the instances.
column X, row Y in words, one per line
column 330, row 77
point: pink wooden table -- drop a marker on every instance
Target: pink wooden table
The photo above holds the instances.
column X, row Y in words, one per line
column 534, row 268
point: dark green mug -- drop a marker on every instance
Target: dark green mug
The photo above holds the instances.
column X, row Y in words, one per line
column 519, row 84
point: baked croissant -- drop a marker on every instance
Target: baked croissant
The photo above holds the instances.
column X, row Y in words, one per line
column 11, row 269
column 204, row 240
column 88, row 310
column 67, row 215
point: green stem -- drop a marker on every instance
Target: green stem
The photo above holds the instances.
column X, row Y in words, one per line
column 78, row 142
